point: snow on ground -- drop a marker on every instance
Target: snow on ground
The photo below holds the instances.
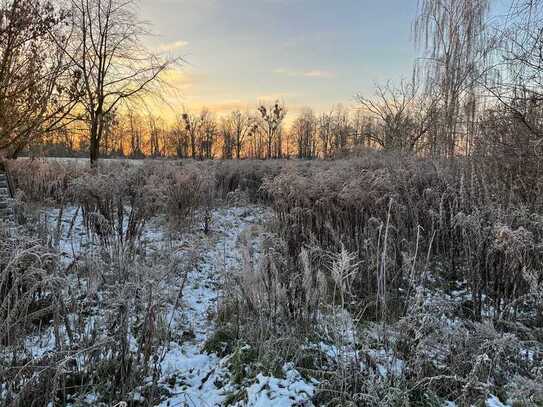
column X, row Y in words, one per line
column 202, row 379
column 491, row 401
column 191, row 376
column 270, row 391
column 199, row 378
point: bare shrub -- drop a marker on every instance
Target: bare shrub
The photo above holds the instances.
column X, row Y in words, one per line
column 116, row 203
column 42, row 180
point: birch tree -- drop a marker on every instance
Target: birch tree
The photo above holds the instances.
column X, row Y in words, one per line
column 452, row 36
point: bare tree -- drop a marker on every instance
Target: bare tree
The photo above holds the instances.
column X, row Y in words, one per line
column 206, row 135
column 304, row 131
column 36, row 85
column 179, row 138
column 110, row 133
column 191, row 124
column 254, row 143
column 272, row 118
column 360, row 123
column 106, row 48
column 156, row 135
column 511, row 138
column 226, row 133
column 342, row 130
column 325, row 133
column 517, row 78
column 242, row 125
column 405, row 115
column 135, row 129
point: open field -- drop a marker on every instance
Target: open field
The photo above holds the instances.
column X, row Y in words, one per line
column 288, row 203
column 378, row 280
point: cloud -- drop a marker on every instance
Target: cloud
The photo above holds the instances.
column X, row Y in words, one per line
column 172, row 46
column 283, row 71
column 319, row 74
column 179, row 78
column 311, row 73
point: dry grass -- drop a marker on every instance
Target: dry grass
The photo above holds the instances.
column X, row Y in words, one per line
column 385, row 258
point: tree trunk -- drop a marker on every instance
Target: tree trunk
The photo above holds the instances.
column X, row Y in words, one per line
column 269, row 152
column 193, row 146
column 94, row 144
column 94, row 151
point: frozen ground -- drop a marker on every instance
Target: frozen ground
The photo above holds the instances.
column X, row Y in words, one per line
column 189, row 375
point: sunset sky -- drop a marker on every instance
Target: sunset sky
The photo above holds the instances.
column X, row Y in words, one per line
column 305, row 52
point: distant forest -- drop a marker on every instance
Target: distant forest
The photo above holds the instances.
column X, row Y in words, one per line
column 75, row 79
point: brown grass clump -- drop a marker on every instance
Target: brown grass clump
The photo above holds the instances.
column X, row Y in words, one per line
column 387, row 209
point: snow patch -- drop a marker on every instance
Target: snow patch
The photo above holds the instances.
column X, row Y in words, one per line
column 287, row 392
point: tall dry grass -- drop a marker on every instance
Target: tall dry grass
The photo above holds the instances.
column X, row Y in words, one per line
column 437, row 264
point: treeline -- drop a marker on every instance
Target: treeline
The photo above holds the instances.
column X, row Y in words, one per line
column 259, row 134
column 476, row 89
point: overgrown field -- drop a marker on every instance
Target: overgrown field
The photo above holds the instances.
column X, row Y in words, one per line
column 380, row 280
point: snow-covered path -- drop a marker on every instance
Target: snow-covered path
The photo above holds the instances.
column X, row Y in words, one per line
column 187, row 375
column 195, row 378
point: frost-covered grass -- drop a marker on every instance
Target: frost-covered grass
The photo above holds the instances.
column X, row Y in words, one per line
column 378, row 281
column 178, row 289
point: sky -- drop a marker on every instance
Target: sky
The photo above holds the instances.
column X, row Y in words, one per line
column 314, row 53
